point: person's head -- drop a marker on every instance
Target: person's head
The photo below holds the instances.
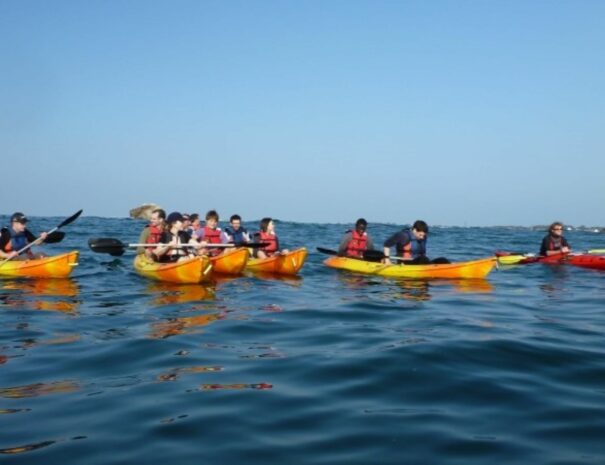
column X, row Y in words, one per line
column 186, row 220
column 158, row 217
column 19, row 222
column 236, row 222
column 195, row 220
column 420, row 229
column 212, row 219
column 267, row 225
column 361, row 225
column 175, row 221
column 556, row 229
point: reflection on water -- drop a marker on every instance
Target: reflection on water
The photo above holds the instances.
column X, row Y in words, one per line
column 207, row 387
column 174, row 374
column 41, row 294
column 26, row 448
column 169, row 293
column 413, row 289
column 39, row 389
column 184, row 325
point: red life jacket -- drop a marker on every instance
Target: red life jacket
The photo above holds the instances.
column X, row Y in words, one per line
column 272, row 247
column 212, row 236
column 357, row 245
column 155, row 235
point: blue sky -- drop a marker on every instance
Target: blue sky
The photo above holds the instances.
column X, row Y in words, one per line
column 456, row 112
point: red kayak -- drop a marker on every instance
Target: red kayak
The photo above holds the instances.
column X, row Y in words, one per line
column 595, row 262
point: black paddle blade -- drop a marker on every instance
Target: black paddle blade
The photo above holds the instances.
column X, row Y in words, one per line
column 327, row 251
column 54, row 237
column 71, row 219
column 108, row 245
column 373, row 255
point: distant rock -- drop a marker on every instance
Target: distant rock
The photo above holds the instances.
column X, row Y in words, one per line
column 144, row 211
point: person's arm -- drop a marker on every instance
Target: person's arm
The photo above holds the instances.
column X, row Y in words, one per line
column 369, row 243
column 143, row 240
column 565, row 248
column 4, row 238
column 342, row 248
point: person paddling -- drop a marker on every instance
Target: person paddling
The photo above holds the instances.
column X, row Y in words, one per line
column 409, row 243
column 172, row 237
column 356, row 242
column 554, row 243
column 16, row 236
column 211, row 234
column 267, row 234
column 152, row 233
column 236, row 233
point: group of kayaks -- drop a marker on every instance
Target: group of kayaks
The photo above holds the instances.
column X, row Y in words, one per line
column 231, row 262
column 237, row 260
column 193, row 270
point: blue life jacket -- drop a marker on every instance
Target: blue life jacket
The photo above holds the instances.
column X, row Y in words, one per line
column 415, row 248
column 237, row 236
column 16, row 241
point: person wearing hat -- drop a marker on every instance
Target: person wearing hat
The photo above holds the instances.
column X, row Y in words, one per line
column 173, row 237
column 16, row 237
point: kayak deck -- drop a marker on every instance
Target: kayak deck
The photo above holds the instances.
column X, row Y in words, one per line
column 58, row 266
column 471, row 269
column 192, row 270
column 286, row 264
column 230, row 262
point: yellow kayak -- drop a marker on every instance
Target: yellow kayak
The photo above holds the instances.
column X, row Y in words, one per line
column 471, row 269
column 287, row 264
column 191, row 270
column 230, row 261
column 58, row 266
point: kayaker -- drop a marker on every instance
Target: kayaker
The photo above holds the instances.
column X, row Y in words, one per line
column 236, row 233
column 174, row 236
column 187, row 223
column 16, row 236
column 267, row 234
column 211, row 234
column 554, row 243
column 356, row 242
column 195, row 222
column 409, row 243
column 152, row 233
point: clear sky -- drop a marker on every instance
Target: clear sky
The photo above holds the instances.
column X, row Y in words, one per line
column 456, row 112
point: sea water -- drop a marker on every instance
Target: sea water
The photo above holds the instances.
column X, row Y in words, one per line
column 328, row 367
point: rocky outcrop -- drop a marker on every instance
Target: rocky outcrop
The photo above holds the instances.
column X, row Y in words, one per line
column 144, row 211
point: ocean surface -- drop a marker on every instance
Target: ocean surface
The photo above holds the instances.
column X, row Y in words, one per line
column 327, row 368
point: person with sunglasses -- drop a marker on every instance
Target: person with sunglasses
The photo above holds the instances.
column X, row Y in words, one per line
column 554, row 243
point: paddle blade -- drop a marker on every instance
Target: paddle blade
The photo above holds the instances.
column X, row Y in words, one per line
column 327, row 251
column 373, row 255
column 107, row 245
column 54, row 237
column 71, row 219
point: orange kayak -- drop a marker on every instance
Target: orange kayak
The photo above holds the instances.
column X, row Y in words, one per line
column 230, row 261
column 288, row 264
column 58, row 266
column 192, row 270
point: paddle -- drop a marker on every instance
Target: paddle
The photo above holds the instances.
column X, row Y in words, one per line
column 368, row 255
column 117, row 248
column 57, row 237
